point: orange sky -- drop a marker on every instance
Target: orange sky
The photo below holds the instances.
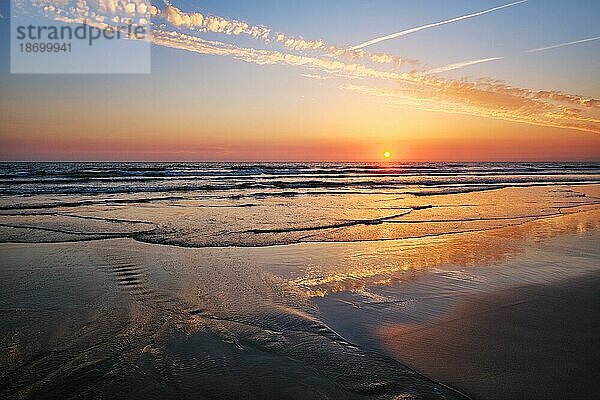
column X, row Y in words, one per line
column 278, row 96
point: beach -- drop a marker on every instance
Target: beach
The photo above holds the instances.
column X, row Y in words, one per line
column 339, row 281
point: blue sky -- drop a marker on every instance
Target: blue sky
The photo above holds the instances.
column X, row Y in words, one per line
column 506, row 32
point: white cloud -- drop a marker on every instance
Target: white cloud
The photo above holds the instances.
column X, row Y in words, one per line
column 556, row 46
column 451, row 67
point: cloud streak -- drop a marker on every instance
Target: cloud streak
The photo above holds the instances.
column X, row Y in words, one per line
column 420, row 28
column 451, row 67
column 495, row 104
column 556, row 46
column 484, row 98
column 208, row 23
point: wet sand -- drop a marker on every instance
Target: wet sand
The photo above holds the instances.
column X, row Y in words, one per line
column 122, row 319
column 527, row 342
column 523, row 327
column 117, row 319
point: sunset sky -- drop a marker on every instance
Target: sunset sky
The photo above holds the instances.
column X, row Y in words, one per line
column 327, row 81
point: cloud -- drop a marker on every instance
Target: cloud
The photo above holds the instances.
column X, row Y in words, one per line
column 298, row 43
column 485, row 97
column 420, row 28
column 314, row 76
column 556, row 46
column 209, row 23
column 481, row 103
column 451, row 67
column 379, row 58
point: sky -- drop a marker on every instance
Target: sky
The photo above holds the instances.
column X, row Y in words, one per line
column 438, row 80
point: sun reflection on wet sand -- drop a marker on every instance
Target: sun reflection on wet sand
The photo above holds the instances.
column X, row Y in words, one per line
column 394, row 261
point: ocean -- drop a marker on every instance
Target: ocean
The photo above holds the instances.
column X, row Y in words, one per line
column 259, row 180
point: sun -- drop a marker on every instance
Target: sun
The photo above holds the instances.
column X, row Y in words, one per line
column 387, row 154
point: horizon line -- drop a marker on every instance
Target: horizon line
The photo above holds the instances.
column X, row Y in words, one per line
column 382, row 161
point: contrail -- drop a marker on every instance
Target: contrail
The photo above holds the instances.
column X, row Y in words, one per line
column 561, row 45
column 451, row 67
column 419, row 28
column 462, row 64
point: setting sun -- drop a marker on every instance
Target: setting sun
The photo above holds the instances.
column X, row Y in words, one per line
column 387, row 154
